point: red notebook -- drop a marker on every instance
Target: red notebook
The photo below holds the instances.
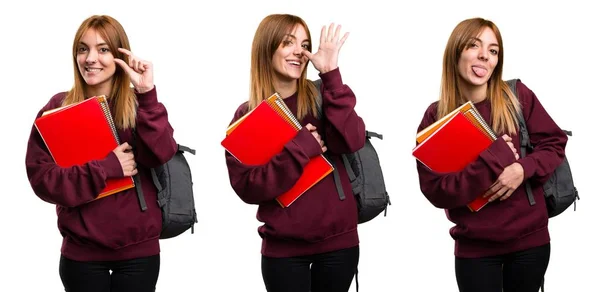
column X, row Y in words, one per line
column 81, row 132
column 452, row 147
column 262, row 133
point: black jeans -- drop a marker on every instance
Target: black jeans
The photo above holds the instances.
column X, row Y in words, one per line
column 521, row 271
column 331, row 272
column 136, row 275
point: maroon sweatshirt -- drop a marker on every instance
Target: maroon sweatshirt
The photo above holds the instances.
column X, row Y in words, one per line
column 501, row 226
column 318, row 221
column 114, row 227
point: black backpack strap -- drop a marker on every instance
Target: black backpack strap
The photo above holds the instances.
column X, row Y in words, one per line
column 319, row 98
column 338, row 183
column 136, row 178
column 525, row 144
column 336, row 173
column 524, row 137
column 186, row 149
column 374, row 135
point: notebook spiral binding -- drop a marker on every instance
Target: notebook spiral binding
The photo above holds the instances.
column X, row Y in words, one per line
column 282, row 109
column 480, row 119
column 108, row 116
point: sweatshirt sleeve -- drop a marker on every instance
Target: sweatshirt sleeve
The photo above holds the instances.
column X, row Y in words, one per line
column 66, row 186
column 154, row 135
column 344, row 130
column 262, row 183
column 548, row 140
column 457, row 189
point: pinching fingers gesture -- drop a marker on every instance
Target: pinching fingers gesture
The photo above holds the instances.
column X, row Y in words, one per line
column 140, row 71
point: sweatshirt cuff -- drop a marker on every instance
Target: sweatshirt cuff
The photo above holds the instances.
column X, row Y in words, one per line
column 111, row 166
column 498, row 154
column 332, row 80
column 528, row 167
column 147, row 100
column 307, row 142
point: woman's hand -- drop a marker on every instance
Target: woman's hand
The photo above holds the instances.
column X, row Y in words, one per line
column 125, row 156
column 510, row 144
column 508, row 181
column 326, row 57
column 313, row 131
column 140, row 71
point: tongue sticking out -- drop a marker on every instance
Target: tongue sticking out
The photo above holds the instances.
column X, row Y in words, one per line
column 480, row 72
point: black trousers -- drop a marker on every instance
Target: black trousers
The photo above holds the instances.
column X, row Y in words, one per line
column 136, row 275
column 331, row 272
column 521, row 271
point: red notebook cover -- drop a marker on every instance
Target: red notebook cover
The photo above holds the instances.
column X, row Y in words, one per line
column 261, row 135
column 452, row 147
column 79, row 133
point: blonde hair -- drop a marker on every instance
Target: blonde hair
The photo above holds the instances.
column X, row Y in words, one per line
column 269, row 36
column 504, row 104
column 122, row 95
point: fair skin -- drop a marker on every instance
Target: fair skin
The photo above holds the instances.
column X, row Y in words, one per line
column 292, row 56
column 475, row 67
column 96, row 65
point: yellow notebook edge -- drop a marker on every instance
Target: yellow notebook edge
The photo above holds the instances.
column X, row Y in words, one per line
column 106, row 194
column 237, row 122
column 437, row 129
column 425, row 133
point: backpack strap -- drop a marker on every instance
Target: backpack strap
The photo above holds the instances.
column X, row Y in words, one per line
column 374, row 135
column 319, row 98
column 136, row 178
column 186, row 149
column 525, row 143
column 336, row 174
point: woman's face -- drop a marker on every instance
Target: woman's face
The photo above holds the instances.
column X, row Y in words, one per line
column 479, row 59
column 288, row 60
column 96, row 62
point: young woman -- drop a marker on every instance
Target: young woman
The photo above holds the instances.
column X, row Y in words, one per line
column 111, row 233
column 506, row 245
column 312, row 245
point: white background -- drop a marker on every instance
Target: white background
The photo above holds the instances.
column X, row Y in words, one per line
column 392, row 60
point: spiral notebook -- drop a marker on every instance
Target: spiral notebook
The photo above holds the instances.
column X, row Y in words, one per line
column 262, row 133
column 81, row 132
column 455, row 143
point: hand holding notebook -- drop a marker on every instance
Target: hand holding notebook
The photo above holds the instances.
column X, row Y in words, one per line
column 313, row 131
column 89, row 125
column 262, row 133
column 453, row 142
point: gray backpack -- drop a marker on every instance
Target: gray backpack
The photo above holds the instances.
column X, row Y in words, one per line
column 364, row 170
column 173, row 181
column 559, row 190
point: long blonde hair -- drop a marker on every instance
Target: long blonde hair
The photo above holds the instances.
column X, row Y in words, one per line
column 504, row 104
column 122, row 95
column 269, row 36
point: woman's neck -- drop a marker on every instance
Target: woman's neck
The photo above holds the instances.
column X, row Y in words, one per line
column 97, row 91
column 285, row 88
column 473, row 93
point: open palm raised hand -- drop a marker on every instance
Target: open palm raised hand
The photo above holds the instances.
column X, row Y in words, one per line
column 326, row 57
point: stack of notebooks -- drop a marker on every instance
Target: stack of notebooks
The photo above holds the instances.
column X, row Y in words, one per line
column 453, row 142
column 81, row 132
column 262, row 133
